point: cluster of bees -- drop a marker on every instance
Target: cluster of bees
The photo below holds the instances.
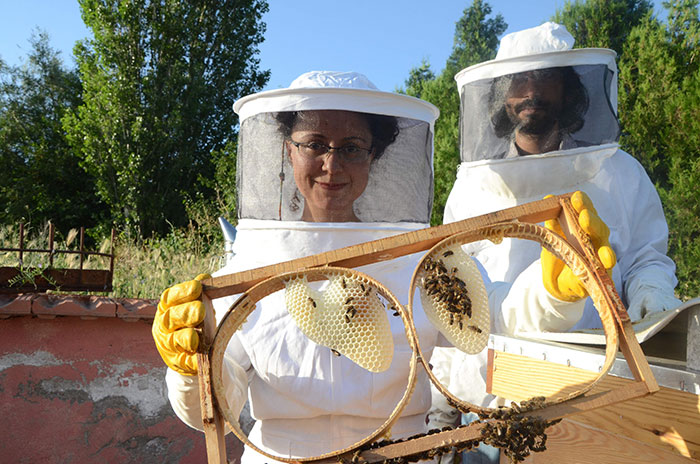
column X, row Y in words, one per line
column 445, row 286
column 517, row 435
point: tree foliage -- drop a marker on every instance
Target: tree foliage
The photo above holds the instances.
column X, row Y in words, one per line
column 159, row 79
column 42, row 179
column 476, row 37
column 660, row 116
column 476, row 40
column 602, row 23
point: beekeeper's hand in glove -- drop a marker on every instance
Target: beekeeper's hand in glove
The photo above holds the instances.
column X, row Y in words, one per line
column 650, row 290
column 180, row 310
column 559, row 279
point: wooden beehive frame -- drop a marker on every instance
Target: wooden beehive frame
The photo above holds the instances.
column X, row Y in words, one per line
column 517, row 222
column 246, row 304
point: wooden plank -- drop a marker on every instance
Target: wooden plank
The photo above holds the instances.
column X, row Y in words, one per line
column 573, row 442
column 634, row 355
column 668, row 420
column 520, row 377
column 415, row 446
column 212, row 420
column 628, row 342
column 383, row 249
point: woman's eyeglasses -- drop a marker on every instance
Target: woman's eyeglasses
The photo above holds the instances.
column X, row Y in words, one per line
column 348, row 153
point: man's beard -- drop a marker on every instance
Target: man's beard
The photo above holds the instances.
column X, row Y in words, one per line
column 540, row 123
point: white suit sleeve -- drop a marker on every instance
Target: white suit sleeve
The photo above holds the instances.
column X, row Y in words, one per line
column 526, row 306
column 183, row 392
column 648, row 274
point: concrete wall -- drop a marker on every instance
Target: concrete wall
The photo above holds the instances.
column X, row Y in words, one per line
column 81, row 382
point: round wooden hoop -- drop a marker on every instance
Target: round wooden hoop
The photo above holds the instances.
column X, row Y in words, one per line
column 246, row 304
column 564, row 251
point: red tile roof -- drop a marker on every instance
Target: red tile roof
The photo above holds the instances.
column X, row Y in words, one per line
column 48, row 305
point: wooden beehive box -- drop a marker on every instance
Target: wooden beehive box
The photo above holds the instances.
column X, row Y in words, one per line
column 663, row 427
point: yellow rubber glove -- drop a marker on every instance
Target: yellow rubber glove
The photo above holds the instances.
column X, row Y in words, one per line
column 559, row 279
column 180, row 310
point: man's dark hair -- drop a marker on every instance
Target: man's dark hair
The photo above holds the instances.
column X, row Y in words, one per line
column 384, row 129
column 574, row 107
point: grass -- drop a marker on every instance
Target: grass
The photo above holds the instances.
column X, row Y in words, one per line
column 142, row 268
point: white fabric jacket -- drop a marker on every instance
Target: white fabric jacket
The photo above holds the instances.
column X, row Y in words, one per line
column 622, row 194
column 305, row 400
column 626, row 201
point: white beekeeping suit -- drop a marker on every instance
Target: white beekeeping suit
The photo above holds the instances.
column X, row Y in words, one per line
column 306, row 401
column 499, row 170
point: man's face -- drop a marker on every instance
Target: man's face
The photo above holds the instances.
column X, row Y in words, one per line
column 534, row 100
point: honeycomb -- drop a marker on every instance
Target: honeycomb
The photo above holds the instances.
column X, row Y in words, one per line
column 454, row 298
column 348, row 316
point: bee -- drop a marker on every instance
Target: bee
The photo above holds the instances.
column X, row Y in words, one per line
column 429, row 264
column 350, row 312
column 447, row 253
column 335, row 352
column 474, row 328
column 396, row 311
column 342, row 283
column 349, row 299
column 362, row 287
column 313, row 303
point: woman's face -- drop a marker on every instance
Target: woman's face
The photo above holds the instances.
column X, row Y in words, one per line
column 329, row 184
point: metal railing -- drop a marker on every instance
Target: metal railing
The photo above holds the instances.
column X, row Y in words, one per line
column 23, row 279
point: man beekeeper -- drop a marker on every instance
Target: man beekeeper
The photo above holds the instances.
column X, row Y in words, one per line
column 541, row 119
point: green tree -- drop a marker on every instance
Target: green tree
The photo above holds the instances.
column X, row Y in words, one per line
column 476, row 37
column 160, row 78
column 476, row 40
column 602, row 23
column 42, row 179
column 660, row 114
column 417, row 78
column 647, row 61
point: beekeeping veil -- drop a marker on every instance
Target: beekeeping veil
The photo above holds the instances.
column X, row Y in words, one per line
column 400, row 181
column 588, row 114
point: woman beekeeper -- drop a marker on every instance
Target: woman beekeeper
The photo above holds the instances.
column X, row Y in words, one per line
column 327, row 163
column 541, row 119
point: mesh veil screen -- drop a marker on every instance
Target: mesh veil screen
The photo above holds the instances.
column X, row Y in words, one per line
column 399, row 187
column 481, row 100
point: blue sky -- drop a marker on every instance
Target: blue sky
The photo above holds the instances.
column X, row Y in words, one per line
column 380, row 38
